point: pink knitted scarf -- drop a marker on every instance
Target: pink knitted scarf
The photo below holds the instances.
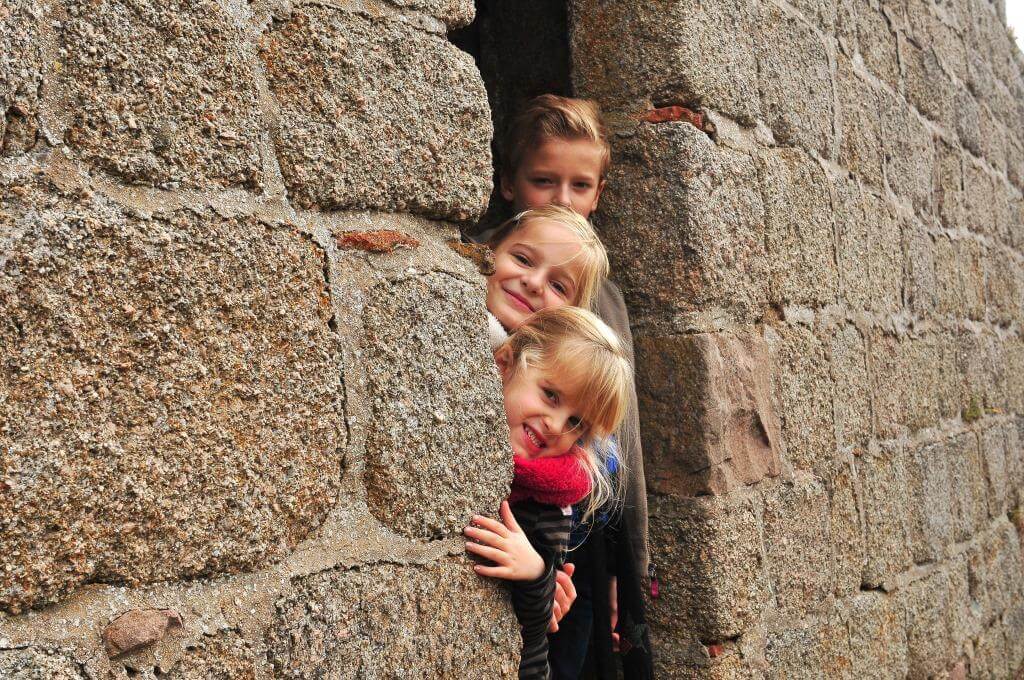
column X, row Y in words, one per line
column 559, row 480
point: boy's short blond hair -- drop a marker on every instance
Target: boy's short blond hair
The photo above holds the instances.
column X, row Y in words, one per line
column 590, row 362
column 552, row 117
column 592, row 256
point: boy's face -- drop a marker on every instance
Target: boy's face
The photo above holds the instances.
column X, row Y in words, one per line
column 562, row 171
column 534, row 268
column 543, row 420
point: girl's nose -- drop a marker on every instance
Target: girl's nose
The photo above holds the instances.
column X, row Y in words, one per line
column 533, row 281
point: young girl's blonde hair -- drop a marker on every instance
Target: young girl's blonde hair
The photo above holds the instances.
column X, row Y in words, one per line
column 592, row 256
column 589, row 363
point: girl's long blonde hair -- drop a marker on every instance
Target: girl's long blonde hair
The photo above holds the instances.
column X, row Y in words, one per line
column 587, row 360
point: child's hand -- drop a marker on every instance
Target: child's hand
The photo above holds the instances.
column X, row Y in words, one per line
column 565, row 595
column 505, row 544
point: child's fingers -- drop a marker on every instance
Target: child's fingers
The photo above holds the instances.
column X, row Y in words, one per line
column 508, row 518
column 492, row 554
column 493, row 572
column 491, row 525
column 484, row 536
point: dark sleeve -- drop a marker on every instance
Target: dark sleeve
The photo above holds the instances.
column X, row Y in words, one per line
column 532, row 601
column 547, row 528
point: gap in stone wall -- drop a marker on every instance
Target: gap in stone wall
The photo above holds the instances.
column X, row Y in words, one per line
column 522, row 50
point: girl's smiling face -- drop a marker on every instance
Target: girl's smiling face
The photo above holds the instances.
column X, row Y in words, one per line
column 535, row 268
column 543, row 418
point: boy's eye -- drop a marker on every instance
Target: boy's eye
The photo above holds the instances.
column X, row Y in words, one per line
column 541, row 180
column 582, row 185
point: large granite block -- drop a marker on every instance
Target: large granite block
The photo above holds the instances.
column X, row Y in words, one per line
column 145, row 363
column 378, row 114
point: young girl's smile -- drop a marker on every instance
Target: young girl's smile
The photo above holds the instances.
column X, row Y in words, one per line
column 534, row 268
column 543, row 420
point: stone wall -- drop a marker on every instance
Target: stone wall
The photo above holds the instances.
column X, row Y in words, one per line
column 246, row 401
column 815, row 214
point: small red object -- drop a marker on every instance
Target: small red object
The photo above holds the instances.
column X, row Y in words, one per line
column 714, row 650
column 655, row 588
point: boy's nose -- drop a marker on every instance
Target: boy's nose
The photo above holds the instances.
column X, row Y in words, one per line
column 564, row 197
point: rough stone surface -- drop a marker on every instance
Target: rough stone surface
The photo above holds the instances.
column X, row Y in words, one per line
column 628, row 55
column 428, row 470
column 21, row 76
column 795, row 81
column 226, row 655
column 799, row 231
column 805, row 387
column 40, row 664
column 711, row 566
column 796, row 531
column 707, row 412
column 174, row 106
column 703, row 208
column 878, row 636
column 147, row 361
column 367, row 622
column 884, row 479
column 374, row 115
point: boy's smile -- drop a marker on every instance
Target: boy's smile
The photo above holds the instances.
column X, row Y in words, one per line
column 534, row 268
column 562, row 171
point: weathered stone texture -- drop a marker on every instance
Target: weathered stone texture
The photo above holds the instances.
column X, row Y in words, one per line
column 375, row 115
column 428, row 469
column 21, row 76
column 385, row 620
column 709, row 418
column 148, row 362
column 799, row 230
column 885, row 481
column 629, row 56
column 225, row 655
column 702, row 206
column 711, row 566
column 878, row 636
column 796, row 531
column 173, row 106
column 795, row 81
column 805, row 387
column 40, row 664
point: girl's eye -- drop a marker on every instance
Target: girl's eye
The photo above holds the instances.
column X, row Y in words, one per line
column 521, row 259
column 551, row 395
column 582, row 185
column 541, row 180
column 575, row 423
column 560, row 288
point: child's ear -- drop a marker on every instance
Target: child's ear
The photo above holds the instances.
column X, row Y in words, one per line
column 507, row 191
column 503, row 358
column 597, row 196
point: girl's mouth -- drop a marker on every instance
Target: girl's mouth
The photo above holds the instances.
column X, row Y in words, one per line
column 534, row 439
column 520, row 302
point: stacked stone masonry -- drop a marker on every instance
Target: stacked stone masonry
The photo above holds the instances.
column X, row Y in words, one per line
column 857, row 208
column 245, row 393
column 223, row 411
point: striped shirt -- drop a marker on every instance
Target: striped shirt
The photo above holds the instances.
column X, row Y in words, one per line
column 547, row 528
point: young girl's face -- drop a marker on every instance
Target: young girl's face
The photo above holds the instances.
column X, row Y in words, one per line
column 534, row 268
column 543, row 419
